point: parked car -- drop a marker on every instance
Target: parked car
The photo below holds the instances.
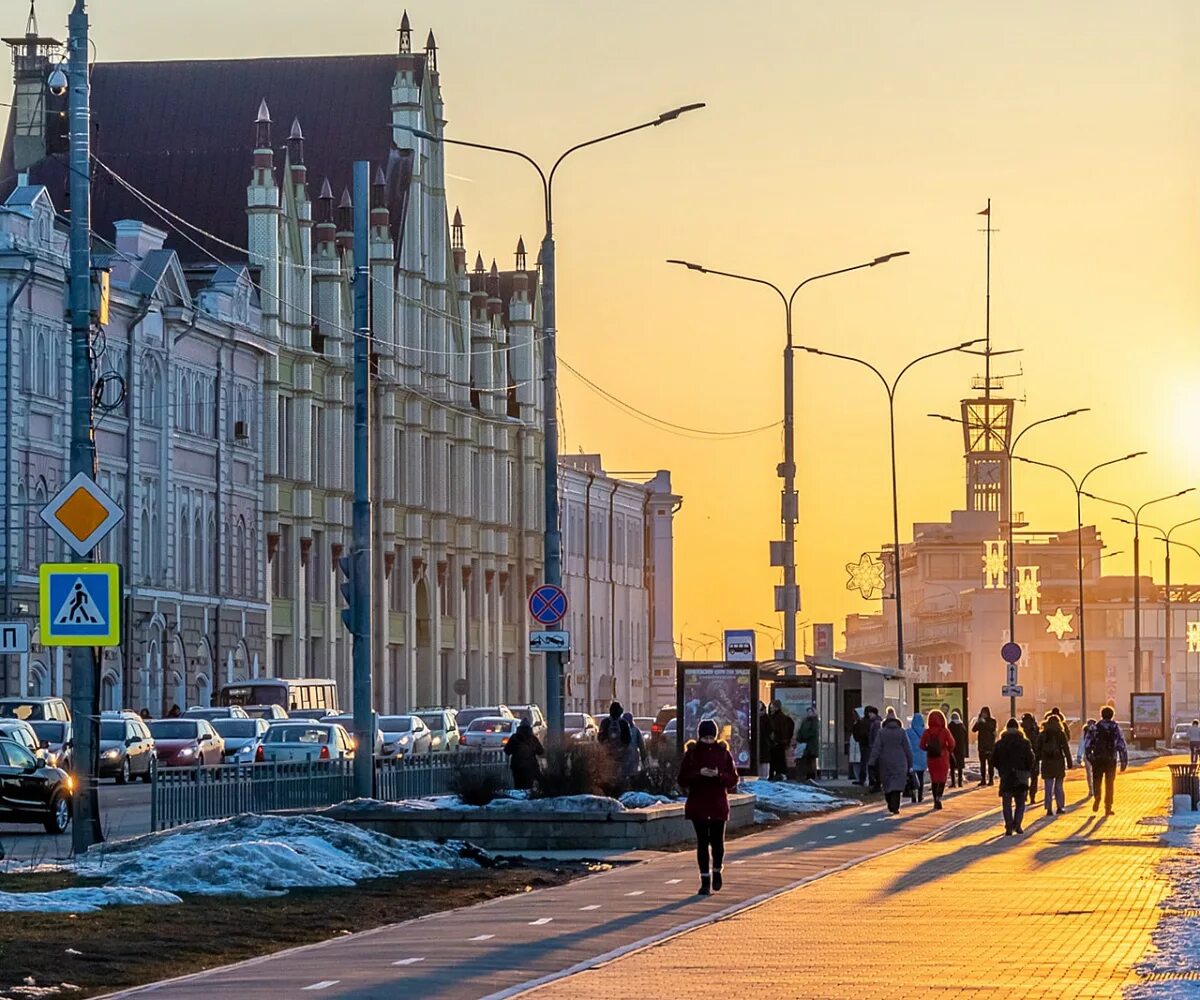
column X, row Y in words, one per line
column 216, row 712
column 405, row 736
column 242, row 737
column 644, row 725
column 443, row 728
column 488, row 733
column 533, row 715
column 468, row 715
column 57, row 739
column 1179, row 738
column 119, row 713
column 29, row 709
column 186, row 742
column 32, row 792
column 312, row 714
column 23, row 733
column 346, row 721
column 665, row 715
column 289, row 740
column 580, row 726
column 126, row 749
column 670, row 737
column 268, row 712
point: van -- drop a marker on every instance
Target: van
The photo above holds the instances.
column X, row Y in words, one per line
column 35, row 709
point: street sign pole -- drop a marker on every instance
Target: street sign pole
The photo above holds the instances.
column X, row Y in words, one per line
column 1011, row 652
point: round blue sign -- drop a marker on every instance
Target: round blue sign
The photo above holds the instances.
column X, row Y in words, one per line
column 548, row 604
column 1011, row 651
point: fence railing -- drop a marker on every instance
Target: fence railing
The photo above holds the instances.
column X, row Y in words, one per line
column 188, row 794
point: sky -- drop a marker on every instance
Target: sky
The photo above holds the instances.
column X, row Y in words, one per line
column 833, row 133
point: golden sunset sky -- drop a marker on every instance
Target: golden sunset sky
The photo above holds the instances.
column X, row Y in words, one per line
column 834, row 132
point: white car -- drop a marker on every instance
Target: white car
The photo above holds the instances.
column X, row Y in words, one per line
column 303, row 741
column 488, row 734
column 23, row 733
column 242, row 737
column 405, row 736
column 346, row 721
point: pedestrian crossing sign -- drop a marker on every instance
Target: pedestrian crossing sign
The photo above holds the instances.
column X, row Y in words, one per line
column 80, row 604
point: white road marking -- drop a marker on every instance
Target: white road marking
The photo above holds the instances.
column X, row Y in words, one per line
column 594, row 906
column 409, row 961
column 540, row 921
column 324, row 984
column 832, row 836
column 482, row 937
column 674, row 881
column 867, row 823
column 809, row 843
column 741, row 861
column 636, row 892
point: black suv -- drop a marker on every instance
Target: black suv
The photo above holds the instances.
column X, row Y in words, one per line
column 31, row 792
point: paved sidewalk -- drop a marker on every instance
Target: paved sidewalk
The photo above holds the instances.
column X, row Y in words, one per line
column 498, row 946
column 1064, row 911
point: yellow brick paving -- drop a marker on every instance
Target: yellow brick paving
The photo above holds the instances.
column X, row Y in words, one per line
column 1063, row 912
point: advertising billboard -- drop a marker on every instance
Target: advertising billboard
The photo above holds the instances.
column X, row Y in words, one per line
column 931, row 696
column 725, row 693
column 1146, row 716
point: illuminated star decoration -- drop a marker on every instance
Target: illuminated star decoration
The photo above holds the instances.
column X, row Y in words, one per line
column 995, row 565
column 1193, row 637
column 1029, row 589
column 945, row 668
column 1068, row 647
column 866, row 575
column 1059, row 623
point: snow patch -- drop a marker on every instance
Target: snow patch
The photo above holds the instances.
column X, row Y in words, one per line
column 785, row 797
column 644, row 800
column 87, row 900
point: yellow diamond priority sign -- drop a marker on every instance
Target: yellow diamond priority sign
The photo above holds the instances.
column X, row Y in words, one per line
column 82, row 514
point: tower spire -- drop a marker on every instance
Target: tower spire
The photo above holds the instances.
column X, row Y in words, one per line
column 405, row 30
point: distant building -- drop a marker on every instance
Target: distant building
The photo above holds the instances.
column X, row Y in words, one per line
column 618, row 573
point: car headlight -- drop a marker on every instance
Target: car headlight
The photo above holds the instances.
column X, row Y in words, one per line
column 187, row 751
column 404, row 740
column 111, row 754
column 436, row 741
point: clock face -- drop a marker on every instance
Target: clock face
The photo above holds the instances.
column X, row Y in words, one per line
column 988, row 472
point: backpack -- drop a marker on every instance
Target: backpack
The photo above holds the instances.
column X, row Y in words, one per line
column 934, row 750
column 1102, row 747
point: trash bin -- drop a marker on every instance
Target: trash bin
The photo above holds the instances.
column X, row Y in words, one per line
column 1185, row 782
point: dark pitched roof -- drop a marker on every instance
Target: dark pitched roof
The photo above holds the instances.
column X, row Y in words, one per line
column 183, row 133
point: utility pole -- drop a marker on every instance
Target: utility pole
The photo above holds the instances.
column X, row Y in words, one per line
column 360, row 548
column 552, row 537
column 84, row 660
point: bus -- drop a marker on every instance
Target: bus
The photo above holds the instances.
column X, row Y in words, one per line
column 288, row 692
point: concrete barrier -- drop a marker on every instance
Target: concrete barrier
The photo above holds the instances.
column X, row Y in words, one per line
column 519, row 832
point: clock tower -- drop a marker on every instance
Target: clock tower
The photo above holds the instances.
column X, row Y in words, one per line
column 987, row 435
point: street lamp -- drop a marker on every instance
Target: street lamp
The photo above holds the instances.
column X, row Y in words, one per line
column 787, row 470
column 552, row 535
column 1077, row 485
column 890, row 389
column 1137, row 574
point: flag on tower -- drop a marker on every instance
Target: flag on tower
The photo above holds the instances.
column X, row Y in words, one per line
column 987, row 211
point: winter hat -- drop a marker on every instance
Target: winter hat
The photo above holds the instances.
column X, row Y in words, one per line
column 628, row 716
column 615, row 710
column 706, row 728
column 890, row 713
column 955, row 717
column 1012, row 724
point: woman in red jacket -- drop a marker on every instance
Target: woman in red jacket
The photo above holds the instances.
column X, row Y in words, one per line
column 707, row 775
column 938, row 745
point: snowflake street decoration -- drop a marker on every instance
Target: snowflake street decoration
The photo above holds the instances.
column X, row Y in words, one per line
column 1029, row 590
column 866, row 575
column 995, row 564
column 1193, row 637
column 1068, row 647
column 945, row 668
column 1059, row 623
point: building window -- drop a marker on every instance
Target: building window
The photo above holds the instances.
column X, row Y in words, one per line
column 281, row 565
column 152, row 401
column 240, row 559
column 318, row 443
column 183, row 545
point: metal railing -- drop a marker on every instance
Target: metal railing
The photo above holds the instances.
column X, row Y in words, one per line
column 189, row 794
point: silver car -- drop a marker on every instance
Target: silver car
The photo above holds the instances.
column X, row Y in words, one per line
column 488, row 734
column 443, row 728
column 286, row 741
column 23, row 733
column 405, row 736
column 242, row 737
column 212, row 712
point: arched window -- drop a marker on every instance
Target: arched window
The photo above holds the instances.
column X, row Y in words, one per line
column 252, row 563
column 200, row 405
column 183, row 545
column 152, row 402
column 185, row 404
column 41, row 533
column 199, row 562
column 241, row 558
column 147, row 544
column 211, row 581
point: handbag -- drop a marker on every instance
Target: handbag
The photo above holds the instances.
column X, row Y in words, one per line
column 1021, row 779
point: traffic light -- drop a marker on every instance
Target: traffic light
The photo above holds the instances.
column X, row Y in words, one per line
column 345, row 564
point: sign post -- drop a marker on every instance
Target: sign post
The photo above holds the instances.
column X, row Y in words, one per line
column 1011, row 652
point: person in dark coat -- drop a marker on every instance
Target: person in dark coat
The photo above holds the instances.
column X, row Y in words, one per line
column 891, row 754
column 958, row 729
column 764, row 741
column 1105, row 749
column 809, row 734
column 707, row 776
column 861, row 734
column 1013, row 758
column 1062, row 719
column 1029, row 727
column 937, row 743
column 873, row 734
column 985, row 741
column 780, row 729
column 1055, row 753
column 523, row 751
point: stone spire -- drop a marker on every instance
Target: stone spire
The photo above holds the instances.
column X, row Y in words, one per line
column 521, row 254
column 431, row 53
column 262, row 127
column 405, row 34
column 296, row 143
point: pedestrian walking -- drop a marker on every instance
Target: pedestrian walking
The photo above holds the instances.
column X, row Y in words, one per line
column 1032, row 733
column 808, row 744
column 1055, row 753
column 939, row 746
column 707, row 776
column 1194, row 739
column 780, row 730
column 958, row 729
column 523, row 751
column 634, row 760
column 615, row 737
column 861, row 735
column 174, row 712
column 916, row 729
column 1089, row 730
column 1105, row 750
column 891, row 755
column 985, row 742
column 873, row 734
column 1013, row 758
column 1062, row 721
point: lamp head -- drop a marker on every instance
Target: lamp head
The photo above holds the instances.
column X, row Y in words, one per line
column 889, row 256
column 57, row 82
column 670, row 116
column 688, row 264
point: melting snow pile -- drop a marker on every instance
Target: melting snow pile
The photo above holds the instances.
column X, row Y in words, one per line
column 81, row 900
column 517, row 802
column 1177, row 937
column 786, row 798
column 644, row 800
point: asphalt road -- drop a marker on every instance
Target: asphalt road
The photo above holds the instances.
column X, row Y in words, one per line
column 124, row 812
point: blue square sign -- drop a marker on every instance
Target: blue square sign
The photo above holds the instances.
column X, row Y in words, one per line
column 80, row 604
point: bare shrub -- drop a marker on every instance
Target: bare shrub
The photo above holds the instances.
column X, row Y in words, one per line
column 577, row 768
column 474, row 782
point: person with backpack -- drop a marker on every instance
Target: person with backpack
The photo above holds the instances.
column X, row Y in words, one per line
column 916, row 730
column 1029, row 727
column 891, row 755
column 808, row 744
column 707, row 776
column 1089, row 730
column 635, row 754
column 1105, row 749
column 1013, row 758
column 939, row 746
column 985, row 732
column 615, row 736
column 1055, row 753
column 958, row 729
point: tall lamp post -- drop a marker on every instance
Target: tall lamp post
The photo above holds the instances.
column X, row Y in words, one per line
column 1168, row 665
column 890, row 389
column 1136, row 514
column 787, row 470
column 552, row 535
column 1077, row 485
